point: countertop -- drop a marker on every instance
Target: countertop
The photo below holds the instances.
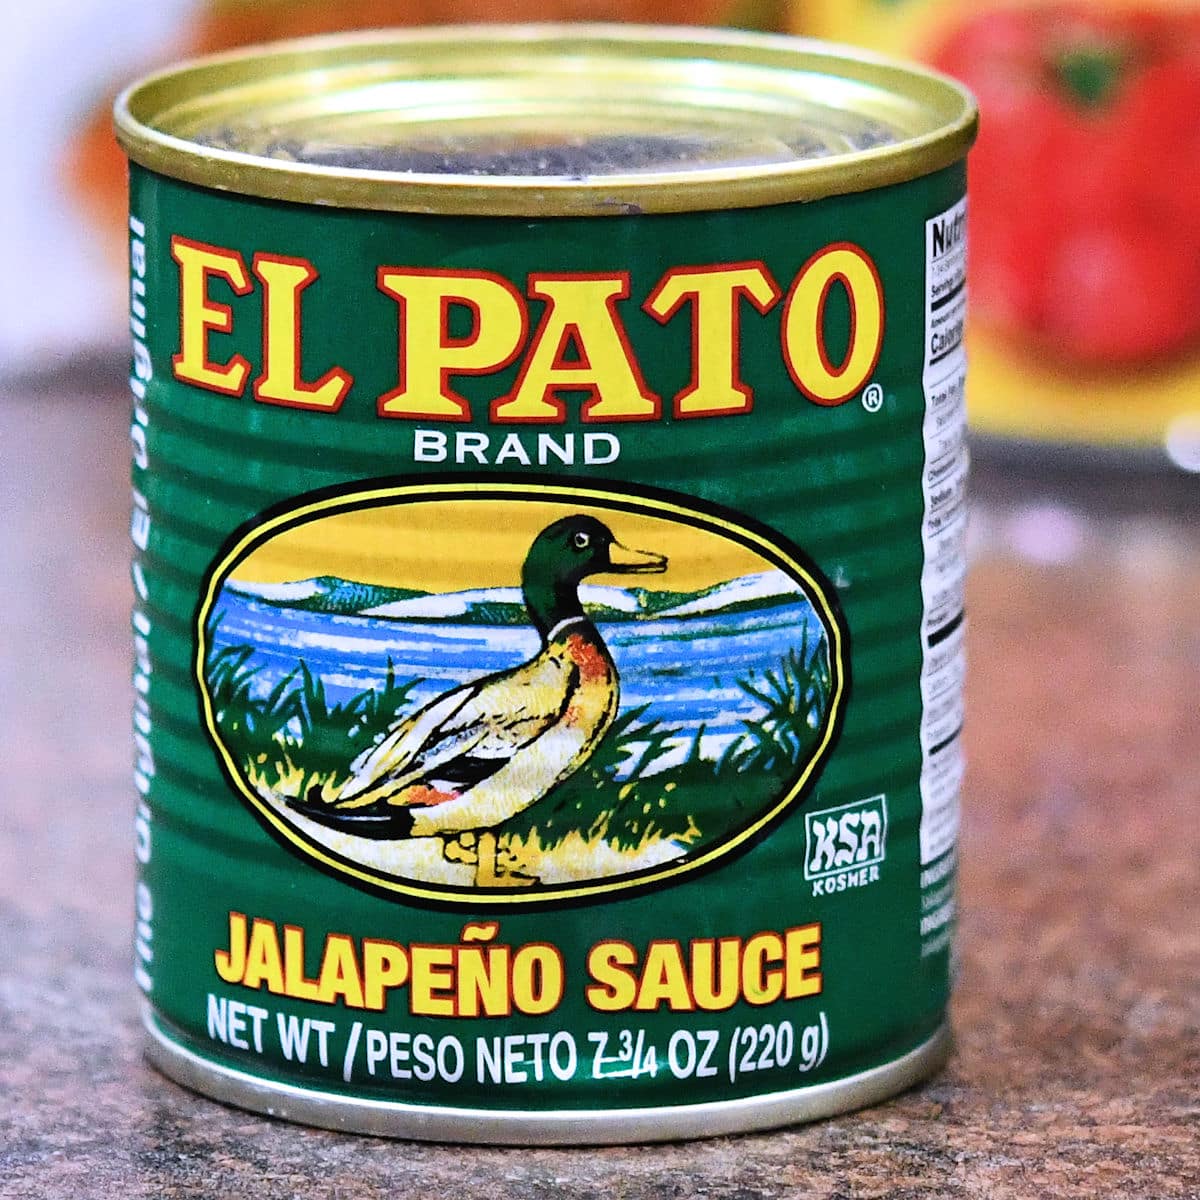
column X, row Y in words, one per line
column 1077, row 1069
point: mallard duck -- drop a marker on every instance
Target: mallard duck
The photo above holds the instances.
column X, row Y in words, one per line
column 482, row 752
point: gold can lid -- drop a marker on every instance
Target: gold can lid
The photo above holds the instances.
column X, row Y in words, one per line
column 546, row 120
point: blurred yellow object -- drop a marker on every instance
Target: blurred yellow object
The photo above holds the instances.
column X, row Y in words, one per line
column 1085, row 207
column 910, row 27
column 1016, row 397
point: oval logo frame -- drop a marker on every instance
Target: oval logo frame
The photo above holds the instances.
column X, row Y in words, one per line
column 305, row 822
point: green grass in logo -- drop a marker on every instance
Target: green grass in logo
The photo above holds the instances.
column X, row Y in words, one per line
column 291, row 738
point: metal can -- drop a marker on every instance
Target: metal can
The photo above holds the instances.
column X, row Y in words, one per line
column 548, row 513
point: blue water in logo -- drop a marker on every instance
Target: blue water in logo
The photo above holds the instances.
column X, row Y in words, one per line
column 687, row 669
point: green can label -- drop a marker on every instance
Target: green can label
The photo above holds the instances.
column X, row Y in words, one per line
column 549, row 646
column 485, row 744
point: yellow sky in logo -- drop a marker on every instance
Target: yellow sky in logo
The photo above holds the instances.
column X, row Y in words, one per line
column 451, row 544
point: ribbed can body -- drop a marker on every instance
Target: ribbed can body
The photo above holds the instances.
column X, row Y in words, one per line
column 549, row 657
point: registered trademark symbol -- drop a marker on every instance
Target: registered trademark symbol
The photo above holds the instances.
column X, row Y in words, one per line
column 872, row 398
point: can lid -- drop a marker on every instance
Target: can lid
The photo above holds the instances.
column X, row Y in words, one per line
column 546, row 120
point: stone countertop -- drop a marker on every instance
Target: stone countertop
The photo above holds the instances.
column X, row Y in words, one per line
column 1077, row 1071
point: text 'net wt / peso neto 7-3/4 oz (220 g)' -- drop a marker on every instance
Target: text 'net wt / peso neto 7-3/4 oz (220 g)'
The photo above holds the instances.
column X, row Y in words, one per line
column 548, row 520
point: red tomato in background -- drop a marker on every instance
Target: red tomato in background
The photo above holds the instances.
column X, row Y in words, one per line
column 1120, row 293
column 1085, row 180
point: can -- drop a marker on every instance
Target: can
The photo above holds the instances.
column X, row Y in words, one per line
column 549, row 551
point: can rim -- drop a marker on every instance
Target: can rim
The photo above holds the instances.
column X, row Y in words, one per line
column 322, row 1107
column 140, row 111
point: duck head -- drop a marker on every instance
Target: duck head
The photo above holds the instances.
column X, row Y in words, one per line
column 563, row 555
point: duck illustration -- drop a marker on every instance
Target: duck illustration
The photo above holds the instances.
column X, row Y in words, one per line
column 486, row 750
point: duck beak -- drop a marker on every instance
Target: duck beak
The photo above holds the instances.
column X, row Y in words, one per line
column 624, row 561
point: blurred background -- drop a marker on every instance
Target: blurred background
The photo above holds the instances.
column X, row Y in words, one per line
column 1077, row 1009
column 1085, row 185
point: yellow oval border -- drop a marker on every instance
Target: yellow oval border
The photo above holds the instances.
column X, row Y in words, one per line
column 373, row 496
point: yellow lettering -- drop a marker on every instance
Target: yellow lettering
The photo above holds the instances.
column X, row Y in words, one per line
column 231, row 963
column 803, row 961
column 474, row 979
column 283, row 280
column 714, row 294
column 429, row 356
column 760, row 986
column 339, row 972
column 715, row 973
column 264, row 963
column 663, row 978
column 295, row 983
column 804, row 347
column 199, row 315
column 483, row 981
column 432, row 973
column 581, row 317
column 538, row 979
column 479, row 931
column 615, row 986
column 385, row 965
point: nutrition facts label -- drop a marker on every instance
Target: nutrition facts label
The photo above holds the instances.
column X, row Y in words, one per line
column 943, row 531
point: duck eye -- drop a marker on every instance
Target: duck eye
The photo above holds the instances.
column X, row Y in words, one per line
column 581, row 541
